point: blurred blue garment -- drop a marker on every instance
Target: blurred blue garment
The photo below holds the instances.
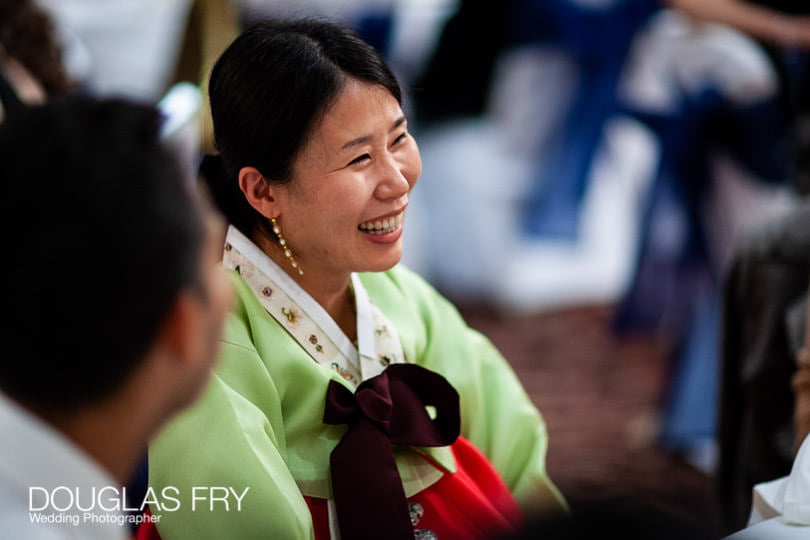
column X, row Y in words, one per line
column 374, row 26
column 675, row 289
column 598, row 39
column 703, row 125
column 690, row 419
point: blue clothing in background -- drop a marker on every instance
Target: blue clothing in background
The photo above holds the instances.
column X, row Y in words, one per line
column 598, row 40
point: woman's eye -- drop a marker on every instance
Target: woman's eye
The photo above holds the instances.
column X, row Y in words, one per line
column 359, row 159
column 402, row 137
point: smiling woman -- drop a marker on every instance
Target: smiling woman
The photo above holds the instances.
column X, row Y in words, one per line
column 348, row 186
column 351, row 398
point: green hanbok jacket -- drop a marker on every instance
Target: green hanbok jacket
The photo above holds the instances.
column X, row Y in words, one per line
column 258, row 432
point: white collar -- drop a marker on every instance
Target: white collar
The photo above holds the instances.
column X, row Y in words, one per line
column 35, row 455
column 378, row 342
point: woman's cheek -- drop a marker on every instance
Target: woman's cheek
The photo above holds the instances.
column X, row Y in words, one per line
column 414, row 167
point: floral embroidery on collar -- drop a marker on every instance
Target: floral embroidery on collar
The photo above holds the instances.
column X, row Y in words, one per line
column 292, row 315
column 308, row 323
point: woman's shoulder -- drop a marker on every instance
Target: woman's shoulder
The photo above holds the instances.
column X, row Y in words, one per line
column 401, row 293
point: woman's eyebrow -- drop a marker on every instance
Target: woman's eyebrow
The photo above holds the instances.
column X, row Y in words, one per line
column 355, row 142
column 365, row 138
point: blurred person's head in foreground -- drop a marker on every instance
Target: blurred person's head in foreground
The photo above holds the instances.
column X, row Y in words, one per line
column 114, row 298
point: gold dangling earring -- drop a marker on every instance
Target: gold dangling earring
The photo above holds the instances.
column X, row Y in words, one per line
column 283, row 243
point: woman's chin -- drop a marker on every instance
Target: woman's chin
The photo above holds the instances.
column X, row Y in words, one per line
column 386, row 261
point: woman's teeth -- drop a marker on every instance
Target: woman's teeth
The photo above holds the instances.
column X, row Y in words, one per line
column 383, row 226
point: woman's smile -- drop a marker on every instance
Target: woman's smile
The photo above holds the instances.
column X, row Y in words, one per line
column 384, row 229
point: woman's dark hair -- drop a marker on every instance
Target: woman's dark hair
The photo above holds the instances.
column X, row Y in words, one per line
column 268, row 90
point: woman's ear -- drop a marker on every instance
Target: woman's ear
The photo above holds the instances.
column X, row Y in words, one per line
column 261, row 195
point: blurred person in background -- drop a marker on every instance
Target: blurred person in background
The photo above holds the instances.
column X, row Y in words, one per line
column 31, row 69
column 780, row 507
column 764, row 399
column 118, row 302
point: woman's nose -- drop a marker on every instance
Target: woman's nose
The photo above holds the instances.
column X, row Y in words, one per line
column 393, row 182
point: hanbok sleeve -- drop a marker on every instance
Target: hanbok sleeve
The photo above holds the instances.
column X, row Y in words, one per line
column 228, row 442
column 497, row 415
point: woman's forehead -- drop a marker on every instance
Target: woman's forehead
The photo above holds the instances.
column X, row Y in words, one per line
column 360, row 109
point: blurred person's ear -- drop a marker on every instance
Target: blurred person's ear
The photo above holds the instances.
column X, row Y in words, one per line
column 184, row 361
column 194, row 325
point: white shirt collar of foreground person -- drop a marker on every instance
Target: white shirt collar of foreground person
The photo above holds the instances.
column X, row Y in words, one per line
column 781, row 507
column 41, row 472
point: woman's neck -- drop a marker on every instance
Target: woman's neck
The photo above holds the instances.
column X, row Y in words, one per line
column 330, row 290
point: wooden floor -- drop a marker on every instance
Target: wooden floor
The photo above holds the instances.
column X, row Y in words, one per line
column 600, row 398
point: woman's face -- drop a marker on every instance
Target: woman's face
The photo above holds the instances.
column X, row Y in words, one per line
column 344, row 209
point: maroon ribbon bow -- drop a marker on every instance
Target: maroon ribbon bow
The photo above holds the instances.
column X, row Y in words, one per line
column 384, row 410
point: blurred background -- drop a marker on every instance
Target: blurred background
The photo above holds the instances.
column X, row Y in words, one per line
column 614, row 191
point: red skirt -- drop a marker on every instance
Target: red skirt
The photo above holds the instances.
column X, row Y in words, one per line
column 472, row 503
